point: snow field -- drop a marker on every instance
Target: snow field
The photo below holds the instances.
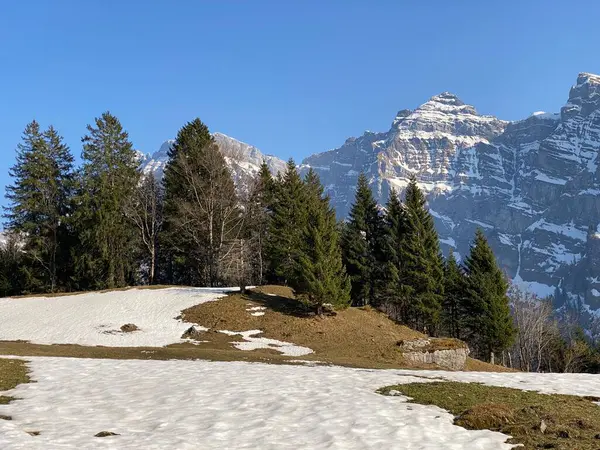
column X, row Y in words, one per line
column 95, row 318
column 213, row 405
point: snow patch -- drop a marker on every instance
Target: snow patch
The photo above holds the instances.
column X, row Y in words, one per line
column 95, row 318
column 568, row 229
column 253, row 343
column 202, row 404
column 449, row 241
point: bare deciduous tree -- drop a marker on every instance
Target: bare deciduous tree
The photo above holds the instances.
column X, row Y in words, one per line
column 144, row 209
column 209, row 217
column 536, row 331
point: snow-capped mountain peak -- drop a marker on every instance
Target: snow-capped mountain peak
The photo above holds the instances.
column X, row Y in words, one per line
column 243, row 159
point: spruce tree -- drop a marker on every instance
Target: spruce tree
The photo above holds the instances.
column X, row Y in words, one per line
column 39, row 204
column 453, row 314
column 257, row 223
column 191, row 141
column 109, row 176
column 321, row 276
column 422, row 276
column 202, row 214
column 490, row 325
column 389, row 288
column 362, row 244
column 287, row 224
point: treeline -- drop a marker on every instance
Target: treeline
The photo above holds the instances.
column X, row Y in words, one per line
column 106, row 224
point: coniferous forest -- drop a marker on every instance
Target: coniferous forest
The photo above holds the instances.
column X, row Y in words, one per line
column 104, row 224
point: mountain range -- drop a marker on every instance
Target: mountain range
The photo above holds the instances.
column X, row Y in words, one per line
column 532, row 185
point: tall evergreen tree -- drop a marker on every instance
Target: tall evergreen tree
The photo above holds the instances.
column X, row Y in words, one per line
column 490, row 325
column 39, row 203
column 390, row 289
column 185, row 155
column 203, row 218
column 321, row 276
column 453, row 315
column 362, row 244
column 287, row 222
column 109, row 177
column 257, row 222
column 422, row 275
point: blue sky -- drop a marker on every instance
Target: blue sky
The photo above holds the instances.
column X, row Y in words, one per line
column 290, row 77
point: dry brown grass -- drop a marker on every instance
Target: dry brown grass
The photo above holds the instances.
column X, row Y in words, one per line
column 12, row 373
column 362, row 337
column 571, row 422
column 475, row 365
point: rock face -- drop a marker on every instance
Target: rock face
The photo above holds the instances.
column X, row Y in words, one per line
column 244, row 160
column 425, row 351
column 532, row 185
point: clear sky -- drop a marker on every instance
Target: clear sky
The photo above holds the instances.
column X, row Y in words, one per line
column 290, row 77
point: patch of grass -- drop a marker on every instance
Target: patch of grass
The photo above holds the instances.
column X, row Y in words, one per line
column 12, row 373
column 535, row 420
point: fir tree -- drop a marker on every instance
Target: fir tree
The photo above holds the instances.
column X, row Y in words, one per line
column 182, row 266
column 109, row 176
column 453, row 314
column 490, row 325
column 422, row 275
column 39, row 203
column 389, row 288
column 362, row 244
column 257, row 222
column 321, row 277
column 287, row 224
column 202, row 213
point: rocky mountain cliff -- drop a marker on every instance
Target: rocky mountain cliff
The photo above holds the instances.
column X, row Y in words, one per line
column 532, row 185
column 244, row 160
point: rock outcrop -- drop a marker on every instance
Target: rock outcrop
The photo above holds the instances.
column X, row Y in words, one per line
column 436, row 351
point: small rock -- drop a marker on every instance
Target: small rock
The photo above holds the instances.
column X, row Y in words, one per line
column 129, row 327
column 329, row 309
column 5, row 417
column 192, row 333
column 563, row 434
column 597, row 436
column 106, row 434
column 33, row 433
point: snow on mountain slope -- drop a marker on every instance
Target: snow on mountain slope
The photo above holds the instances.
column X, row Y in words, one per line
column 532, row 185
column 95, row 318
column 244, row 160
